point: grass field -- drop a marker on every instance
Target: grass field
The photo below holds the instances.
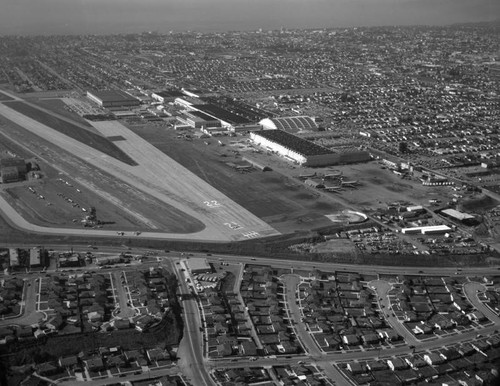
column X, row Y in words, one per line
column 4, row 97
column 59, row 107
column 84, row 136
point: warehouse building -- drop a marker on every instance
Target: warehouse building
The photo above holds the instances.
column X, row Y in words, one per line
column 302, row 151
column 464, row 218
column 12, row 169
column 427, row 230
column 198, row 120
column 226, row 117
column 167, row 96
column 290, row 124
column 198, row 265
column 113, row 98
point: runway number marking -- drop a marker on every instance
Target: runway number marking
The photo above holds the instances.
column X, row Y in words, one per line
column 251, row 235
column 233, row 225
column 212, row 203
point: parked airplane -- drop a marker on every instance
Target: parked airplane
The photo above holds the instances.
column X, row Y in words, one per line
column 334, row 189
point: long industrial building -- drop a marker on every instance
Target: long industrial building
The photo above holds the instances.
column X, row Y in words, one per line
column 302, row 151
column 113, row 98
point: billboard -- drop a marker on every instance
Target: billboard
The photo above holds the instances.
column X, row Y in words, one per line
column 35, row 256
column 13, row 257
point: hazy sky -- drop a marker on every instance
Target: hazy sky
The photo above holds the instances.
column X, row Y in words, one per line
column 123, row 16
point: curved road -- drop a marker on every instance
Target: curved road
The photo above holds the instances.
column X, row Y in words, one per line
column 471, row 290
column 382, row 288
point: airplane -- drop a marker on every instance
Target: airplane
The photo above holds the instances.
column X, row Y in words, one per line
column 350, row 184
column 308, row 175
column 334, row 189
column 333, row 175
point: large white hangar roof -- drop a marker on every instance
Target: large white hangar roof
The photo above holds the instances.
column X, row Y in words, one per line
column 290, row 124
column 294, row 143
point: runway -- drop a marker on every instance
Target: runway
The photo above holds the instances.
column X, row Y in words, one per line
column 156, row 175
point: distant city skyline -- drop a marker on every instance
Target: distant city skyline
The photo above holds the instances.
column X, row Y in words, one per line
column 27, row 17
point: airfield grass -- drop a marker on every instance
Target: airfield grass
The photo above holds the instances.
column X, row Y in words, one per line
column 58, row 106
column 111, row 209
column 281, row 201
column 4, row 97
column 84, row 136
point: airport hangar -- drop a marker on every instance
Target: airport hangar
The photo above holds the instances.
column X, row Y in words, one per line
column 304, row 152
column 228, row 121
column 12, row 169
column 166, row 96
column 113, row 98
column 290, row 124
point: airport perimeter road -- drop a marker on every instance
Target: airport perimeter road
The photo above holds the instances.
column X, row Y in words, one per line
column 157, row 175
column 190, row 353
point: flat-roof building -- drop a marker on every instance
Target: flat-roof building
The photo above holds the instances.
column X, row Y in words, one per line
column 459, row 216
column 166, row 96
column 198, row 119
column 113, row 98
column 226, row 117
column 198, row 265
column 428, row 230
column 302, row 151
